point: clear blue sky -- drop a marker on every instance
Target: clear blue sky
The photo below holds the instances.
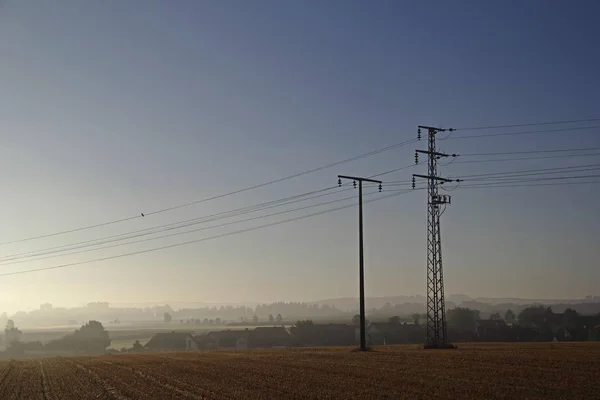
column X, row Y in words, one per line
column 112, row 108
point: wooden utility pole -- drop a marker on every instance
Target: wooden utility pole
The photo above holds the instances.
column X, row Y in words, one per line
column 361, row 261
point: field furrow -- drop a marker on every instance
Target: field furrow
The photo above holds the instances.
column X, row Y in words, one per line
column 474, row 371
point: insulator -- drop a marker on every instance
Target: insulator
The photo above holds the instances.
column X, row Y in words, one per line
column 419, row 134
column 413, row 182
column 380, row 187
column 339, row 181
column 416, row 158
column 354, row 183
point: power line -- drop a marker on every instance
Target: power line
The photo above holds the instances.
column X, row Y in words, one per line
column 364, row 155
column 509, row 185
column 6, row 262
column 529, row 124
column 192, row 241
column 530, row 170
column 177, row 225
column 513, row 176
column 182, row 224
column 528, row 158
column 538, row 179
column 525, row 133
column 528, row 152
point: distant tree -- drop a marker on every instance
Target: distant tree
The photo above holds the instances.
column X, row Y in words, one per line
column 255, row 319
column 181, row 321
column 12, row 334
column 92, row 337
column 167, row 317
column 279, row 318
column 416, row 318
column 569, row 319
column 394, row 320
column 211, row 321
column 137, row 346
column 463, row 318
column 356, row 320
column 495, row 316
column 205, row 322
column 533, row 317
column 218, row 321
column 271, row 318
column 509, row 316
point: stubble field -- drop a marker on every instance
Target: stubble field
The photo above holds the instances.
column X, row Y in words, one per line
column 482, row 371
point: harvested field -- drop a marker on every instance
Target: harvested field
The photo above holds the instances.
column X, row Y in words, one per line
column 474, row 371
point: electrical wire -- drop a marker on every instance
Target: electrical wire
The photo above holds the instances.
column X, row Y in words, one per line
column 528, row 124
column 528, row 158
column 143, row 215
column 176, row 225
column 524, row 133
column 60, row 266
column 182, row 224
column 524, row 175
column 5, row 262
column 531, row 170
column 508, row 185
column 529, row 152
column 512, row 180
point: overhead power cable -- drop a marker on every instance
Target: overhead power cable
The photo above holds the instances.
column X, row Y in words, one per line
column 196, row 240
column 528, row 158
column 530, row 170
column 528, row 152
column 69, row 252
column 528, row 124
column 180, row 224
column 511, row 185
column 580, row 128
column 142, row 215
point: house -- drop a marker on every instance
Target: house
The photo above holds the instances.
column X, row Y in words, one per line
column 200, row 342
column 389, row 333
column 168, row 341
column 230, row 340
column 333, row 335
column 269, row 336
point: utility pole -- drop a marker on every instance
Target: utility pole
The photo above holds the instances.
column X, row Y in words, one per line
column 361, row 261
column 436, row 306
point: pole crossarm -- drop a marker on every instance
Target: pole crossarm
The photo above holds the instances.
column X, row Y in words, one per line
column 434, row 129
column 355, row 178
column 435, row 178
column 435, row 153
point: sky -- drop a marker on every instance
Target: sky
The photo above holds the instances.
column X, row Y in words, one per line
column 110, row 109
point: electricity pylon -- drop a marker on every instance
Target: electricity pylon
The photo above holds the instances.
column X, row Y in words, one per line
column 436, row 306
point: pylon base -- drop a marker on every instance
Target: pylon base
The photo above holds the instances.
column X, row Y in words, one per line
column 439, row 346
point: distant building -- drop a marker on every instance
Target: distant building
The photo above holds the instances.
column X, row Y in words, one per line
column 230, row 340
column 200, row 342
column 45, row 307
column 168, row 341
column 335, row 334
column 265, row 337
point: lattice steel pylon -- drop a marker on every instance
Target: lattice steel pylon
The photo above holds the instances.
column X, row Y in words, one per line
column 436, row 306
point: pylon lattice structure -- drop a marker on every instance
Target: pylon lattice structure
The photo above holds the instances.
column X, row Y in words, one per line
column 436, row 306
